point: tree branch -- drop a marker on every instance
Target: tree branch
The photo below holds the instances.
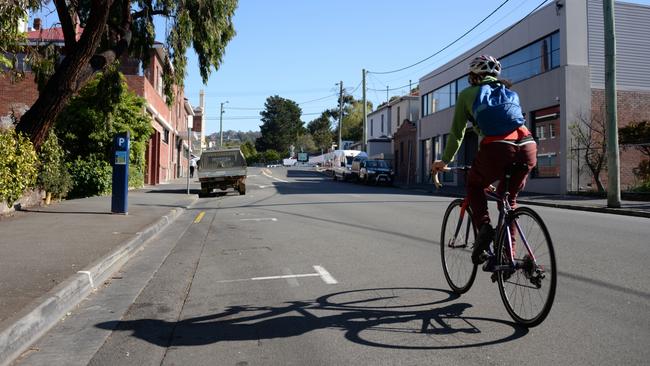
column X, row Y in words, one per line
column 67, row 24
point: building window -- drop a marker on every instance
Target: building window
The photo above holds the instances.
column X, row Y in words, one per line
column 551, row 130
column 544, row 123
column 165, row 136
column 533, row 59
column 372, row 128
column 398, row 116
column 382, row 123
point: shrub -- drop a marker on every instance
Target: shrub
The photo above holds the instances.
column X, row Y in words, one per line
column 53, row 175
column 91, row 176
column 17, row 166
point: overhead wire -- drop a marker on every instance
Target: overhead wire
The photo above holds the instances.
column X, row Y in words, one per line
column 444, row 48
column 486, row 44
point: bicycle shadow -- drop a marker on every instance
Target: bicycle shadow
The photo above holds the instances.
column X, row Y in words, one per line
column 366, row 321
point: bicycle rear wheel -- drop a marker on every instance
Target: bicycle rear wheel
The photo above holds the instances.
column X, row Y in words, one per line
column 457, row 239
column 527, row 291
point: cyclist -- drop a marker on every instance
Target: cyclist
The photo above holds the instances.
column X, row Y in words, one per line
column 496, row 152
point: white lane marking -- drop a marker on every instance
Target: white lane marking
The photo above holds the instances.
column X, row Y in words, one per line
column 90, row 277
column 321, row 272
column 252, row 175
column 261, row 219
column 272, row 177
column 293, row 282
column 326, row 276
column 285, row 276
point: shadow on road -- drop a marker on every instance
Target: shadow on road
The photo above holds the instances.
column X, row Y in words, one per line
column 402, row 318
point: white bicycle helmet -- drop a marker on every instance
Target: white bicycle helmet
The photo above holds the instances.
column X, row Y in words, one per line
column 485, row 64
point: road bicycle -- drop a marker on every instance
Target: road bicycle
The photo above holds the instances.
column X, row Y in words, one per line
column 521, row 258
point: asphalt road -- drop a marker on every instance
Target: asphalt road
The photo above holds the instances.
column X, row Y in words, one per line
column 306, row 271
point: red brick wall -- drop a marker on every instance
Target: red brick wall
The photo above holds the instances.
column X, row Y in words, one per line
column 631, row 107
column 17, row 97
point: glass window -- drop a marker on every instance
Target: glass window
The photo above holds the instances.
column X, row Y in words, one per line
column 555, row 50
column 372, row 128
column 539, row 130
column 532, row 60
column 398, row 116
column 452, row 93
column 382, row 123
column 551, row 130
column 165, row 136
column 462, row 84
column 442, row 97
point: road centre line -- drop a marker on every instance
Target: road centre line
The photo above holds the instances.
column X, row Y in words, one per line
column 199, row 217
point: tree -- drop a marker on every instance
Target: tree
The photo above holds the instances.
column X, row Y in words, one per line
column 305, row 143
column 87, row 125
column 590, row 134
column 321, row 132
column 281, row 124
column 637, row 135
column 111, row 29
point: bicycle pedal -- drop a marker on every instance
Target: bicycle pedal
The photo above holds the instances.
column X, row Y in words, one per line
column 494, row 277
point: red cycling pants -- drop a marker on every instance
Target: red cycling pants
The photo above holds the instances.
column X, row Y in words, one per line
column 490, row 165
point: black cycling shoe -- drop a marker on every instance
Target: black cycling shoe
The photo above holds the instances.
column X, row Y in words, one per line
column 485, row 236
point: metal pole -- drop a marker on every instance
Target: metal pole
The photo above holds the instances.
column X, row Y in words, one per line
column 340, row 116
column 365, row 112
column 613, row 173
column 189, row 147
column 221, row 127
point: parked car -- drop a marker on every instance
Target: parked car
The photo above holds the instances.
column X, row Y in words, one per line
column 375, row 171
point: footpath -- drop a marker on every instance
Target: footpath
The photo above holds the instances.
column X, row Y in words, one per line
column 52, row 257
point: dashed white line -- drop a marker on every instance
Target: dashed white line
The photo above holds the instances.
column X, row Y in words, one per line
column 261, row 219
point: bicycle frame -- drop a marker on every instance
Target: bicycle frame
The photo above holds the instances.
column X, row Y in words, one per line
column 505, row 218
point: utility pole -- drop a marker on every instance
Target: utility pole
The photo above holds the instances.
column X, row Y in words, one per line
column 340, row 115
column 221, row 126
column 409, row 96
column 613, row 173
column 365, row 112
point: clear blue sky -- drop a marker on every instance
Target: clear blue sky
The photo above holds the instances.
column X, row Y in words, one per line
column 299, row 50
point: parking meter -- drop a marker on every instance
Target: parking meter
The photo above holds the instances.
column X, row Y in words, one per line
column 119, row 199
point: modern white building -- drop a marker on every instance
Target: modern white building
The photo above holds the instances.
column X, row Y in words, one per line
column 555, row 58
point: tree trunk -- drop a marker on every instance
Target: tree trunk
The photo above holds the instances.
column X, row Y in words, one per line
column 72, row 73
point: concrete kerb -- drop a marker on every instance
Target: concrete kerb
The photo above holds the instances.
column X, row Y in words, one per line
column 53, row 306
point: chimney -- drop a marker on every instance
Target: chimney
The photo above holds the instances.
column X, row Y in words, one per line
column 37, row 24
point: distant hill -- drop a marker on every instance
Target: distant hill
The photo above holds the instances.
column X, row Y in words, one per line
column 235, row 136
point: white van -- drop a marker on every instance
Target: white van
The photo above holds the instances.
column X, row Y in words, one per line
column 342, row 162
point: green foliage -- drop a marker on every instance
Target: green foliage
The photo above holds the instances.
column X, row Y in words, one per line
column 18, row 166
column 305, row 143
column 11, row 38
column 281, row 124
column 271, row 156
column 248, row 149
column 53, row 175
column 321, row 132
column 91, row 175
column 102, row 109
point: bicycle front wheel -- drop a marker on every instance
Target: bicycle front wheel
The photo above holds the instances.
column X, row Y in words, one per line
column 457, row 239
column 528, row 289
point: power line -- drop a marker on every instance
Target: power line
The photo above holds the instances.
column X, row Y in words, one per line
column 487, row 44
column 444, row 48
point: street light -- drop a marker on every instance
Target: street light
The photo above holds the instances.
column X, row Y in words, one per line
column 221, row 126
